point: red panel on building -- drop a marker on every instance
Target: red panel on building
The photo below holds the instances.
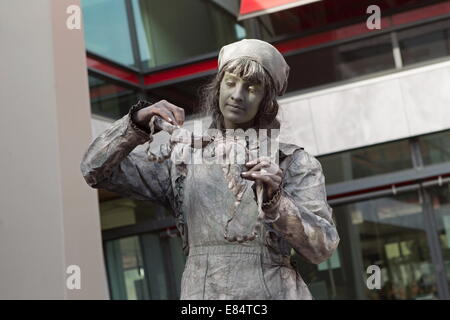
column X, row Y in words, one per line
column 179, row 72
column 253, row 8
column 112, row 70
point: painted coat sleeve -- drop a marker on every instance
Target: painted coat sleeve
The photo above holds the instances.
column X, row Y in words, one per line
column 305, row 218
column 111, row 163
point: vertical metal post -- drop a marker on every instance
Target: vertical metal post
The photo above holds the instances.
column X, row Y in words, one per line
column 134, row 38
column 352, row 253
column 396, row 51
column 416, row 156
column 168, row 265
column 141, row 93
column 252, row 28
column 431, row 226
column 435, row 246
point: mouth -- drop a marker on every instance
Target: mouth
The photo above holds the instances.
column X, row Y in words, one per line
column 235, row 106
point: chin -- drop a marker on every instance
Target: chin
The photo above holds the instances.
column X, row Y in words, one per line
column 234, row 118
column 235, row 121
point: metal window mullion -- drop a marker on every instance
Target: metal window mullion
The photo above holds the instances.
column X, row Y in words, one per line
column 145, row 266
column 436, row 182
column 134, row 39
column 386, row 192
column 367, row 183
column 256, row 28
column 396, row 51
column 169, row 271
column 416, row 155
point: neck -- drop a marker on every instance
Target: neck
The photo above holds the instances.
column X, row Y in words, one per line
column 234, row 126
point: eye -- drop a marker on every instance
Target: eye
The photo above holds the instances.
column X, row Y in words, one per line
column 229, row 83
column 252, row 89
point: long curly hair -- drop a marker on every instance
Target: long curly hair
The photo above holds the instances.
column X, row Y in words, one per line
column 248, row 70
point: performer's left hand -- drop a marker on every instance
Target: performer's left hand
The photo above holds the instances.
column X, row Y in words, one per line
column 266, row 172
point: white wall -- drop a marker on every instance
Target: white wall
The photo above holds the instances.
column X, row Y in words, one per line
column 49, row 217
column 382, row 109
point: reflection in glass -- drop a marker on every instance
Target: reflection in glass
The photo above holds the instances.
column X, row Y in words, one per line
column 365, row 162
column 196, row 27
column 143, row 267
column 110, row 100
column 435, row 148
column 185, row 94
column 425, row 42
column 340, row 62
column 126, row 272
column 325, row 15
column 365, row 56
column 440, row 199
column 155, row 266
column 178, row 261
column 106, row 30
column 313, row 68
column 388, row 232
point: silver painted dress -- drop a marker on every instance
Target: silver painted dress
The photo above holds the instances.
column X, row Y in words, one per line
column 201, row 202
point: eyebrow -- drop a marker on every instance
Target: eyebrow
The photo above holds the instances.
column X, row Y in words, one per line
column 253, row 83
column 232, row 76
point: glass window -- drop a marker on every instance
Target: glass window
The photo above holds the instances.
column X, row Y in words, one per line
column 313, row 68
column 194, row 28
column 425, row 42
column 308, row 18
column 440, row 199
column 325, row 14
column 366, row 56
column 178, row 260
column 143, row 267
column 106, row 30
column 365, row 162
column 110, row 100
column 340, row 62
column 120, row 212
column 125, row 268
column 387, row 232
column 435, row 148
column 184, row 94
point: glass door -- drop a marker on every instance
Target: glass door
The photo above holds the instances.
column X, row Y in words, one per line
column 126, row 274
column 440, row 204
column 387, row 231
column 145, row 266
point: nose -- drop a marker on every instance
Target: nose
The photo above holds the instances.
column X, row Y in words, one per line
column 237, row 94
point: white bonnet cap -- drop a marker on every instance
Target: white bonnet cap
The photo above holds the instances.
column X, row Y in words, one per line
column 262, row 52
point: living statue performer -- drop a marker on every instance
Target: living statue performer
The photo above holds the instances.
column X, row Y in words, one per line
column 239, row 222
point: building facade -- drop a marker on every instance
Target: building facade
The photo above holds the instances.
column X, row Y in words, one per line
column 373, row 105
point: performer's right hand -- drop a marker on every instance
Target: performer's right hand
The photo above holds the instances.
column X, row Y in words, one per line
column 166, row 110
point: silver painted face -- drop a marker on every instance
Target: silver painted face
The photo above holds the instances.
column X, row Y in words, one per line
column 239, row 101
